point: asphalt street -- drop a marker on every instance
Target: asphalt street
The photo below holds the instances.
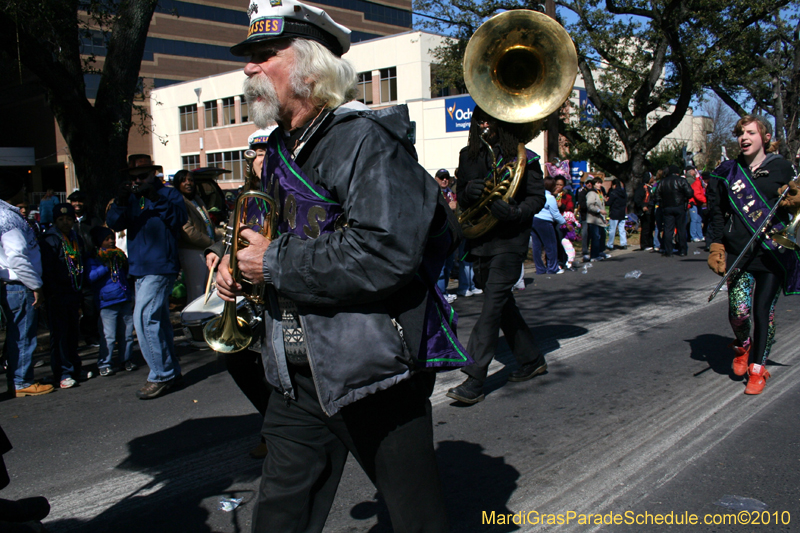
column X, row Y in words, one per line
column 638, row 413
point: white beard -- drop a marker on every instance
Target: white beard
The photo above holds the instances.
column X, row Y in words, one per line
column 263, row 112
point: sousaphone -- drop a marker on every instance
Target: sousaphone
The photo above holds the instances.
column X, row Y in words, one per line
column 519, row 67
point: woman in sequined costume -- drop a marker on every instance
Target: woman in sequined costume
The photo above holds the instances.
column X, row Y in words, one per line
column 753, row 291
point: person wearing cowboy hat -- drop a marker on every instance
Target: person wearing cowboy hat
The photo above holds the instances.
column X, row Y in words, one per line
column 152, row 215
column 356, row 213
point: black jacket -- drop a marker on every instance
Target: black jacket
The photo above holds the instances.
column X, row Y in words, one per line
column 727, row 227
column 643, row 198
column 673, row 191
column 84, row 227
column 505, row 236
column 354, row 285
column 617, row 204
column 55, row 273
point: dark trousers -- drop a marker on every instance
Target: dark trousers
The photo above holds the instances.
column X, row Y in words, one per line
column 90, row 316
column 646, row 226
column 247, row 371
column 496, row 275
column 597, row 236
column 543, row 237
column 674, row 218
column 389, row 433
column 62, row 315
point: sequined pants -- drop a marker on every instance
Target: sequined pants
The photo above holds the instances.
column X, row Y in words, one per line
column 751, row 303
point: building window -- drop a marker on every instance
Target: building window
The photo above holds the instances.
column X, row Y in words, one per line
column 364, row 88
column 233, row 161
column 228, row 111
column 211, row 114
column 188, row 117
column 245, row 109
column 388, row 84
column 191, row 162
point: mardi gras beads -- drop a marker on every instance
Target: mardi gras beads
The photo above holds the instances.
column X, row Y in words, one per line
column 72, row 256
column 115, row 259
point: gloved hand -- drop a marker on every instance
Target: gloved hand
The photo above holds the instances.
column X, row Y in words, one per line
column 124, row 193
column 716, row 258
column 792, row 198
column 147, row 190
column 505, row 212
column 473, row 190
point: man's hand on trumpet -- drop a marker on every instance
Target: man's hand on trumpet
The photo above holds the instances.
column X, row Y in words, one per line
column 251, row 259
column 227, row 289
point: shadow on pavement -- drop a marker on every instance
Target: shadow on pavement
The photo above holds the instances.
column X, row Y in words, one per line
column 473, row 482
column 714, row 350
column 178, row 469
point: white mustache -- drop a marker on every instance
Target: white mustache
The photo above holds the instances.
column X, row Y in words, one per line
column 264, row 111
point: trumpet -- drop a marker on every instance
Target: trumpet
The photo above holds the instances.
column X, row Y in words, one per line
column 230, row 333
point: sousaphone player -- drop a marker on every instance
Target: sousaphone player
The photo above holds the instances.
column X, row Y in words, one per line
column 519, row 67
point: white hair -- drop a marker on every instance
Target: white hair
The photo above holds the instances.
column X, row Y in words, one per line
column 328, row 80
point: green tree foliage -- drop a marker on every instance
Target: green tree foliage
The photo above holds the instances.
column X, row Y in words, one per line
column 756, row 68
column 642, row 63
column 663, row 156
column 45, row 36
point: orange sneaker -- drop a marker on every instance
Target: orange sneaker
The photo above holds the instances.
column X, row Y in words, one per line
column 757, row 378
column 740, row 361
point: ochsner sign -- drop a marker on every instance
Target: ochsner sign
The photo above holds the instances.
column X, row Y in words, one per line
column 458, row 112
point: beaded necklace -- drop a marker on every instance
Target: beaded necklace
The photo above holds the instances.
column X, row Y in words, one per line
column 72, row 256
column 115, row 259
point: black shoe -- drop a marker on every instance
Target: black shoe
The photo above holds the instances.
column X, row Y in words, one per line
column 469, row 392
column 528, row 371
column 33, row 509
column 154, row 390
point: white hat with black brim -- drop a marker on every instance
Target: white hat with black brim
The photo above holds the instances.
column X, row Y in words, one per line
column 283, row 19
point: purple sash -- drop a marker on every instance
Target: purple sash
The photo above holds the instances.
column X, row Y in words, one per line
column 752, row 208
column 308, row 211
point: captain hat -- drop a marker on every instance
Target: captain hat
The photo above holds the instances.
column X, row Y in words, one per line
column 260, row 136
column 282, row 19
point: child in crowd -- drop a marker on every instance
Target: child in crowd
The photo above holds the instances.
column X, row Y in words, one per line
column 108, row 273
column 571, row 236
column 63, row 254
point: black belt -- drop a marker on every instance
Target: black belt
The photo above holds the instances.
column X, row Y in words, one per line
column 14, row 282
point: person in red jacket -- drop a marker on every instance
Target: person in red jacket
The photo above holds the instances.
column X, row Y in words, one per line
column 697, row 205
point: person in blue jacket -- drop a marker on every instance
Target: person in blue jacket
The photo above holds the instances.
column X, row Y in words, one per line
column 108, row 273
column 543, row 232
column 151, row 214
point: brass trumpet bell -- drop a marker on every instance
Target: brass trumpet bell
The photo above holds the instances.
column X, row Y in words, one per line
column 228, row 333
column 520, row 66
column 788, row 236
